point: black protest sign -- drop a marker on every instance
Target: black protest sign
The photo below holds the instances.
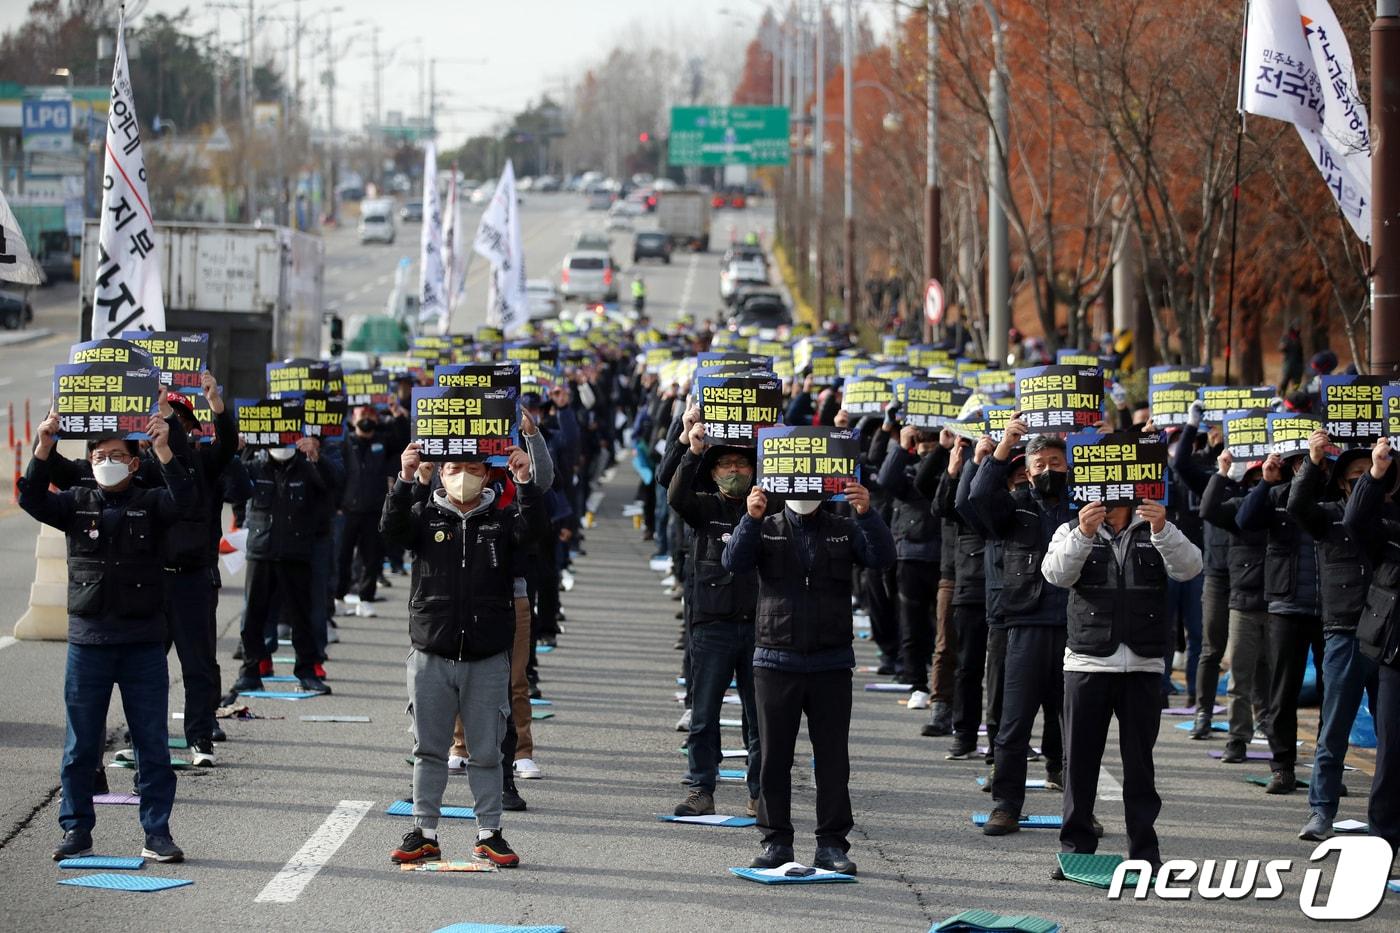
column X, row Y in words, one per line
column 807, row 462
column 1351, row 407
column 479, row 376
column 465, row 423
column 1289, row 432
column 545, row 354
column 291, row 378
column 180, row 357
column 926, row 356
column 997, row 384
column 1171, row 402
column 1390, row 400
column 1247, row 434
column 1173, row 375
column 105, row 399
column 1219, row 401
column 1116, row 469
column 324, row 415
column 368, row 387
column 110, row 350
column 271, row 423
column 736, row 408
column 733, row 361
column 931, row 403
column 1059, row 399
column 866, row 395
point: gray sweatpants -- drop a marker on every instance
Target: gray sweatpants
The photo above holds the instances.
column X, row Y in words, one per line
column 1249, row 657
column 440, row 690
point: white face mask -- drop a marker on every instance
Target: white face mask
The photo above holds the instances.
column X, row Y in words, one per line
column 1237, row 470
column 464, row 486
column 110, row 475
column 282, row 454
column 804, row 506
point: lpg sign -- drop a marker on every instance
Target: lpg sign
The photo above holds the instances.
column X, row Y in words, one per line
column 48, row 124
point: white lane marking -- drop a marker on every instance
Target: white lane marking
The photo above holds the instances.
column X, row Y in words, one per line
column 6, row 641
column 689, row 285
column 6, row 380
column 1109, row 788
column 288, row 884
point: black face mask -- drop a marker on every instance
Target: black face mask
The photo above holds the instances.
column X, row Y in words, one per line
column 366, row 425
column 1051, row 483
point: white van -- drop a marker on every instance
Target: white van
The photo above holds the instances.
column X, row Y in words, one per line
column 377, row 221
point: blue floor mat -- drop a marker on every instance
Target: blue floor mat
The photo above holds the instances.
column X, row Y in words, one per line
column 733, row 822
column 109, row 882
column 496, row 928
column 103, row 861
column 405, row 808
column 541, row 702
column 277, row 695
column 985, row 920
column 1027, row 821
column 1214, row 727
column 755, row 874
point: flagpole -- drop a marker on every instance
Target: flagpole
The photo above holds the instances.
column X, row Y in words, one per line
column 1235, row 200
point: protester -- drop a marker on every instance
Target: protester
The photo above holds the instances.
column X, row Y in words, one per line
column 369, row 466
column 803, row 655
column 116, row 622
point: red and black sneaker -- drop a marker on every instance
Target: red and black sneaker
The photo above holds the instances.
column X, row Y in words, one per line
column 265, row 667
column 416, row 848
column 495, row 849
column 320, row 671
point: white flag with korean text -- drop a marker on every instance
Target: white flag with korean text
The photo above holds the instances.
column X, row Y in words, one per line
column 454, row 256
column 431, row 301
column 1297, row 67
column 16, row 265
column 498, row 240
column 127, row 295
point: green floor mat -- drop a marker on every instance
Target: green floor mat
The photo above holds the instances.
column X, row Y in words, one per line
column 541, row 714
column 179, row 764
column 971, row 920
column 178, row 743
column 1095, row 870
column 1262, row 780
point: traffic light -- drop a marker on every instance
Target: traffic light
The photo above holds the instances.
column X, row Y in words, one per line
column 643, row 137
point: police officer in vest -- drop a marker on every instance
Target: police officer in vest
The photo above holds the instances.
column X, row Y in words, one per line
column 803, row 657
column 1033, row 611
column 288, row 485
column 721, row 631
column 116, row 623
column 1115, row 562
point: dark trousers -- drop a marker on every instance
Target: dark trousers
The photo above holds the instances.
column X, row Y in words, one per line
column 1185, row 606
column 191, row 628
column 360, row 535
column 719, row 652
column 278, row 588
column 1384, row 809
column 1291, row 637
column 878, row 588
column 1215, row 634
column 1091, row 701
column 140, row 673
column 546, row 578
column 970, row 625
column 918, row 618
column 782, row 697
column 1035, row 656
column 996, row 678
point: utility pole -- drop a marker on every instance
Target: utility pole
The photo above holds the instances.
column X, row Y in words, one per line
column 819, row 158
column 250, row 179
column 933, row 206
column 998, row 245
column 848, row 196
column 804, row 177
column 332, row 197
column 432, row 98
column 1385, row 189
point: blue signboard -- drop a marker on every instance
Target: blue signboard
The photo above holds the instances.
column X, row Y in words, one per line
column 47, row 124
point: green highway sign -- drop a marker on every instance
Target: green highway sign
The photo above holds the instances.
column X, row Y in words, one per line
column 728, row 136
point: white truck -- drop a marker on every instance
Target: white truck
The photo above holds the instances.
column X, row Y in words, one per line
column 256, row 291
column 684, row 216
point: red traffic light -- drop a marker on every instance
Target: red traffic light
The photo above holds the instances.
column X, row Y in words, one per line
column 643, row 137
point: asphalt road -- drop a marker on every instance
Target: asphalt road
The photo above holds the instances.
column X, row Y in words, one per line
column 289, row 831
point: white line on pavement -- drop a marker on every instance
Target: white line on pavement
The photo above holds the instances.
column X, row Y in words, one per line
column 1109, row 788
column 689, row 285
column 6, row 641
column 288, row 884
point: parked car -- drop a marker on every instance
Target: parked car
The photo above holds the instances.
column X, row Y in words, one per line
column 600, row 199
column 15, row 311
column 411, row 212
column 542, row 300
column 588, row 275
column 759, row 294
column 740, row 272
column 651, row 244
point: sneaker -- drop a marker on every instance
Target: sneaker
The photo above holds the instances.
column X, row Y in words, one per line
column 319, row 670
column 416, row 847
column 332, row 636
column 683, row 724
column 1001, row 823
column 918, row 699
column 1201, row 728
column 941, row 718
column 511, row 800
column 566, row 581
column 668, row 581
column 1098, row 827
column 245, row 683
column 1055, row 780
column 352, row 604
column 535, row 692
column 1283, row 782
column 773, row 856
column 752, row 808
column 314, row 685
column 456, row 764
column 831, row 858
column 547, row 641
column 1317, row 828
column 265, row 667
column 284, row 631
column 384, row 581
column 202, row 755
column 1234, row 752
column 218, row 735
column 962, row 750
column 365, row 611
column 526, row 770
column 885, row 669
column 76, row 842
column 495, row 849
column 696, row 803
column 162, row 849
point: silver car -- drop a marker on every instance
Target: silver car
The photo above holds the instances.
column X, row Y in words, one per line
column 588, row 275
column 542, row 299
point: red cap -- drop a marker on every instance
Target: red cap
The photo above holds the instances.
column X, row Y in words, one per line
column 181, row 401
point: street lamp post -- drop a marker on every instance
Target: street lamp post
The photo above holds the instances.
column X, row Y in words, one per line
column 819, row 160
column 998, row 193
column 848, row 180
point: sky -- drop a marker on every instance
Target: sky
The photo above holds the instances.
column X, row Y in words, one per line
column 493, row 56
